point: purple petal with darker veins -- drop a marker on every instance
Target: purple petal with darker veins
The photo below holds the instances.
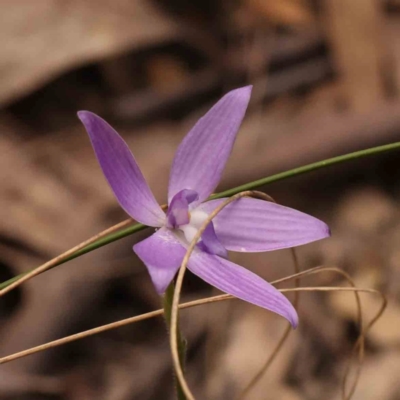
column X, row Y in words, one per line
column 241, row 283
column 253, row 225
column 122, row 172
column 178, row 210
column 202, row 155
column 162, row 254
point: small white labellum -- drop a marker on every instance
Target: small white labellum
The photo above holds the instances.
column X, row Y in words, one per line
column 197, row 219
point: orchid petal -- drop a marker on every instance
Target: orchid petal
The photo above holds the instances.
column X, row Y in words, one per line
column 122, row 172
column 202, row 155
column 162, row 253
column 241, row 283
column 253, row 225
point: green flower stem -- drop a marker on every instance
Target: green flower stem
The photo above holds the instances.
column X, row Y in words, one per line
column 167, row 305
column 306, row 168
column 227, row 193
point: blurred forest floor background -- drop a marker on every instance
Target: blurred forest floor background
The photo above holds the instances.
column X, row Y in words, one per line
column 326, row 76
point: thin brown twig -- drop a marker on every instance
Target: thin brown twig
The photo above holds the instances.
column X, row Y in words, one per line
column 194, row 303
column 61, row 257
column 53, row 262
column 259, row 375
column 99, row 329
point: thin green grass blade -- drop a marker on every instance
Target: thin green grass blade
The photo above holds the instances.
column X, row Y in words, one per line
column 230, row 192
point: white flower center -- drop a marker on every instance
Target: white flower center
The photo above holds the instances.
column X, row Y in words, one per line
column 197, row 219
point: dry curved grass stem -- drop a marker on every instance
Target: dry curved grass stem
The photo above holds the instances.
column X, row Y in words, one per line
column 179, row 282
column 360, row 342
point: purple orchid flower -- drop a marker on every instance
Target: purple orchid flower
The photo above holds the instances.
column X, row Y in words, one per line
column 247, row 225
